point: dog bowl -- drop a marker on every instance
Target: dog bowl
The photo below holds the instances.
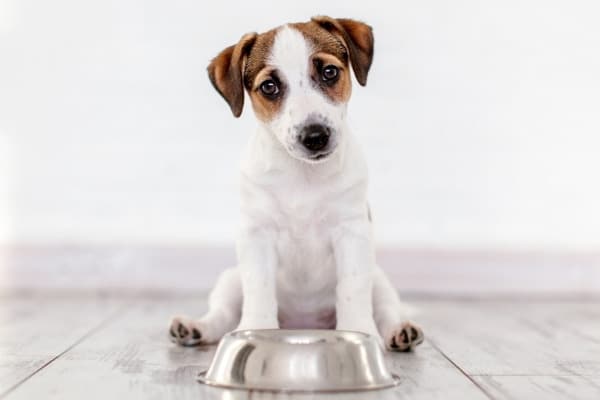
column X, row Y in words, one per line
column 298, row 361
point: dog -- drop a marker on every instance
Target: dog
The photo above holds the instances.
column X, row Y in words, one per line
column 305, row 250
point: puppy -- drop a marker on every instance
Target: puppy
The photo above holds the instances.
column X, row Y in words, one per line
column 305, row 248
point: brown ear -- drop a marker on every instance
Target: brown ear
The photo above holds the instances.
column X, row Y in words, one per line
column 225, row 72
column 358, row 38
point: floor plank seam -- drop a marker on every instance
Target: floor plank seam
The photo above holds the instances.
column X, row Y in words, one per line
column 462, row 371
column 88, row 334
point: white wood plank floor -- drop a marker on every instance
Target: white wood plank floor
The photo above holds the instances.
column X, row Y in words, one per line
column 74, row 347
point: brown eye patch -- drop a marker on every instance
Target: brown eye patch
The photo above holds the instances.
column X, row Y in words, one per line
column 266, row 101
column 256, row 61
column 331, row 75
column 268, row 82
column 256, row 72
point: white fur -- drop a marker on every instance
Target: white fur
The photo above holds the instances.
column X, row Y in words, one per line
column 305, row 247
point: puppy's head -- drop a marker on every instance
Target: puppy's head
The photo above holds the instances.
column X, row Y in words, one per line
column 298, row 80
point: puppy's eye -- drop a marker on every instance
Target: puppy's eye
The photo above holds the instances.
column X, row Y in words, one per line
column 269, row 88
column 330, row 73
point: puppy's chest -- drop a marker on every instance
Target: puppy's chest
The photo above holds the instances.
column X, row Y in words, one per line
column 304, row 246
column 304, row 214
column 306, row 273
column 304, row 240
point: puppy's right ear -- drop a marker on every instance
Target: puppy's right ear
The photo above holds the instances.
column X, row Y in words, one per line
column 225, row 72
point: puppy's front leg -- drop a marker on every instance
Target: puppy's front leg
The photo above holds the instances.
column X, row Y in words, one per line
column 258, row 263
column 354, row 256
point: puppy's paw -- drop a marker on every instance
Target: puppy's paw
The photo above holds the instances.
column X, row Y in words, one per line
column 405, row 337
column 185, row 332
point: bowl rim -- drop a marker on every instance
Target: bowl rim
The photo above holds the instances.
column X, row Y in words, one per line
column 278, row 334
column 201, row 378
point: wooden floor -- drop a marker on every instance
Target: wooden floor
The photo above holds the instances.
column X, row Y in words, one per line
column 75, row 347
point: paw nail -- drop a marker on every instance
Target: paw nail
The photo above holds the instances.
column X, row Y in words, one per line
column 403, row 337
column 183, row 331
column 413, row 333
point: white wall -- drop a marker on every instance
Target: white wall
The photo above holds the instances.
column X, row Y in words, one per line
column 480, row 120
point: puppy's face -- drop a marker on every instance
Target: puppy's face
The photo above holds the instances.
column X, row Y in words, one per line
column 298, row 79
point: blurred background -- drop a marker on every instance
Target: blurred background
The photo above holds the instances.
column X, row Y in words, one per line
column 480, row 122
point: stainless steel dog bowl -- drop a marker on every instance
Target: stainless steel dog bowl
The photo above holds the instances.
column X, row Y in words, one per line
column 298, row 360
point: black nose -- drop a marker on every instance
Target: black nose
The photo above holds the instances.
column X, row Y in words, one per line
column 315, row 137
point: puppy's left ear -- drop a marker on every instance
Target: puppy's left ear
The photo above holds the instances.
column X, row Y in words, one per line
column 358, row 38
column 225, row 72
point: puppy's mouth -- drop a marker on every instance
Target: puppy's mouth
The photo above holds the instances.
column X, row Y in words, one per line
column 315, row 158
column 321, row 156
column 318, row 158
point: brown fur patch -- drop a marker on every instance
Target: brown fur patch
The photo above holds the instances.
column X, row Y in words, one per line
column 329, row 50
column 257, row 58
column 358, row 38
column 322, row 40
column 340, row 91
column 257, row 71
column 264, row 108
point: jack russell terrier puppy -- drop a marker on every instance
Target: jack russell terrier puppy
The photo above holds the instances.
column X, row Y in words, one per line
column 305, row 248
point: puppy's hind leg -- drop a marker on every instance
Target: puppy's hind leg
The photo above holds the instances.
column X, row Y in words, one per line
column 224, row 311
column 399, row 334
